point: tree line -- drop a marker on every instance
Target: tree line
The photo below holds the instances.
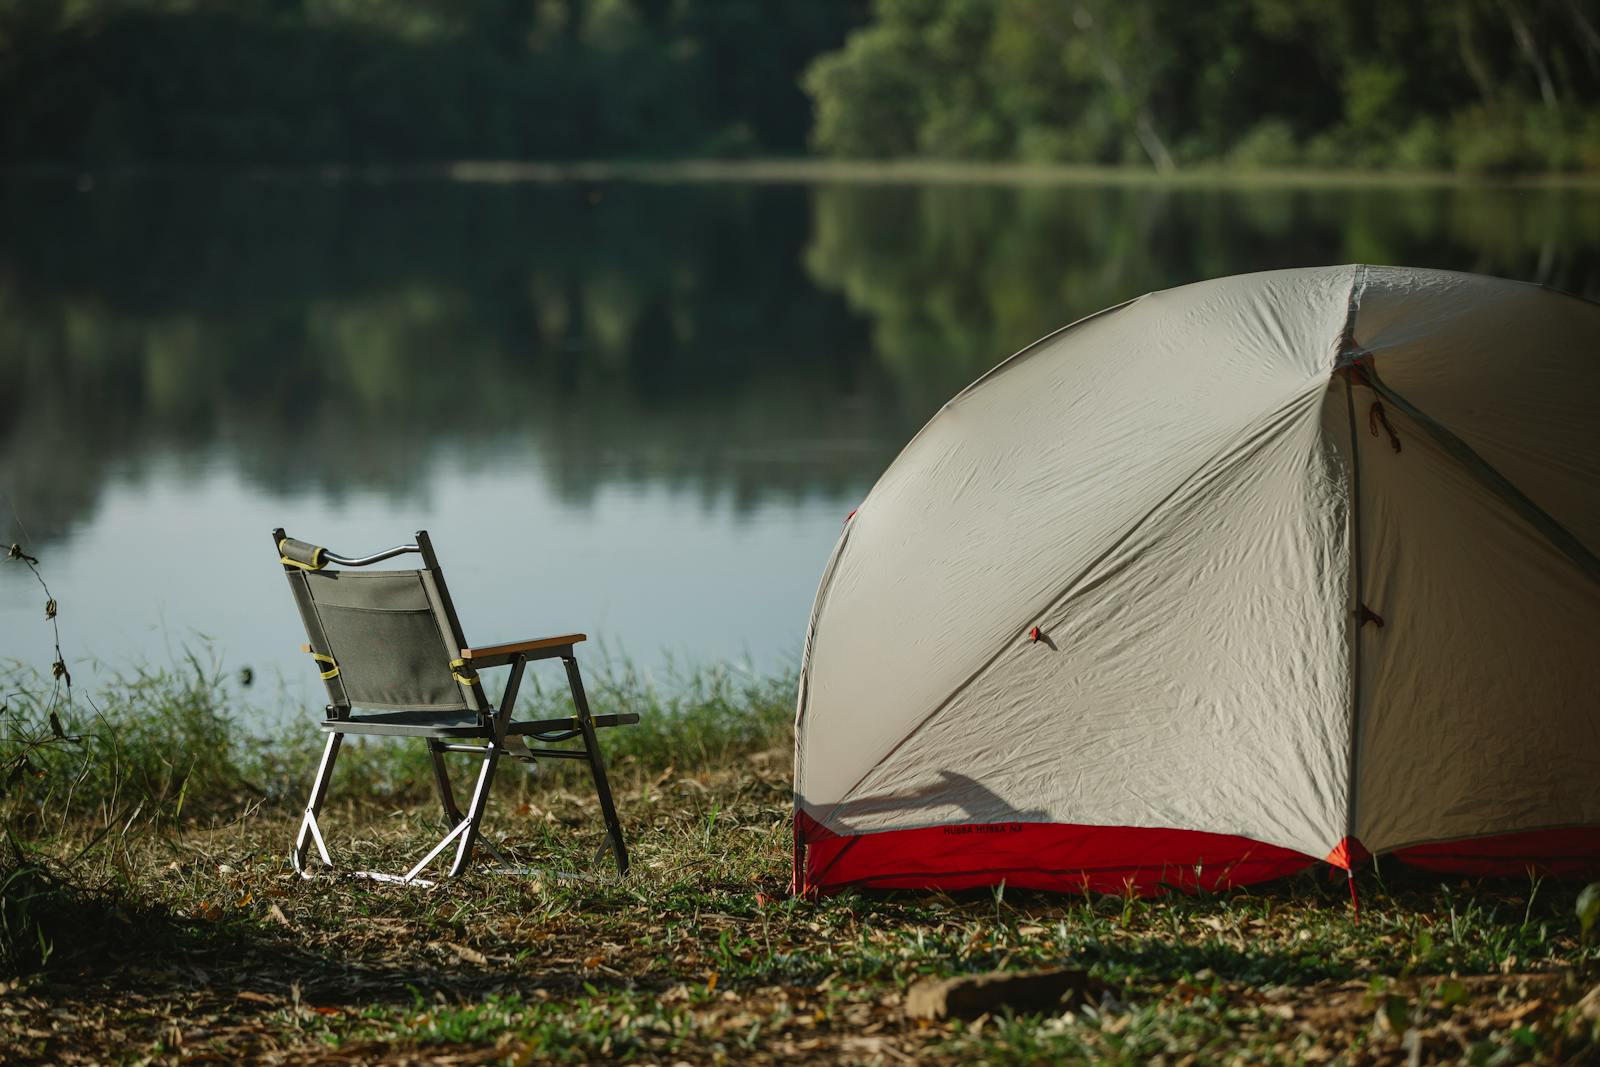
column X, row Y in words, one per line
column 1473, row 85
column 1476, row 85
column 200, row 82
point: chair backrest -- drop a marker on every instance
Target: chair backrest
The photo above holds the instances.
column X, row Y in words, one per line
column 386, row 639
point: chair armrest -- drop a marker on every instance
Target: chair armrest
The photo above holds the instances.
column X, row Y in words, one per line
column 500, row 655
column 569, row 726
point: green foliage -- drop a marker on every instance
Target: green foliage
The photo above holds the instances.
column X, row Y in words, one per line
column 698, row 719
column 1270, row 144
column 1374, row 96
column 52, row 907
column 1152, row 82
column 1492, row 141
column 209, row 82
column 31, row 901
column 1482, row 87
column 1588, row 910
column 867, row 97
column 1424, row 146
column 159, row 744
column 182, row 747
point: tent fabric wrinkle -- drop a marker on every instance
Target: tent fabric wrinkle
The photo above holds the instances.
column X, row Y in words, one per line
column 1165, row 597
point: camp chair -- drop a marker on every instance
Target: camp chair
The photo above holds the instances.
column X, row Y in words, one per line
column 388, row 643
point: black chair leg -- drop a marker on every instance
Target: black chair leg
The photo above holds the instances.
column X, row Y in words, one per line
column 441, row 778
column 597, row 767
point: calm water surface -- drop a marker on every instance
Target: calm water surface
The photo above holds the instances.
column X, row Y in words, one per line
column 637, row 410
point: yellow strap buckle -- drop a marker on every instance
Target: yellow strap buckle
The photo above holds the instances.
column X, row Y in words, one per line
column 333, row 668
column 457, row 666
column 316, row 563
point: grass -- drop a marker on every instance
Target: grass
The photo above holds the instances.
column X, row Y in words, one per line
column 173, row 930
column 183, row 746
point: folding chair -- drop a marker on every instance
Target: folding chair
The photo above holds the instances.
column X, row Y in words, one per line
column 389, row 647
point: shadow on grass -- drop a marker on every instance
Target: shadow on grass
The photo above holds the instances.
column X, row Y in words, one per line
column 66, row 935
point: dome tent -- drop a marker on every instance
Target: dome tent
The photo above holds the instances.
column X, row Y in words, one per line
column 1222, row 582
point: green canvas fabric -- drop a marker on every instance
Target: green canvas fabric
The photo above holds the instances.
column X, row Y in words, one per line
column 319, row 640
column 392, row 644
column 454, row 639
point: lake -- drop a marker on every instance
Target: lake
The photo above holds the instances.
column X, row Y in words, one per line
column 637, row 409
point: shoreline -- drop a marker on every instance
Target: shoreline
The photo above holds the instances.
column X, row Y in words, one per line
column 780, row 171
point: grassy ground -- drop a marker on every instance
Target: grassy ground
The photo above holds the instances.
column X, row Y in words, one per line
column 181, row 935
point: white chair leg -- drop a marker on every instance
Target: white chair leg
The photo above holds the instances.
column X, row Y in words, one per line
column 480, row 801
column 308, row 825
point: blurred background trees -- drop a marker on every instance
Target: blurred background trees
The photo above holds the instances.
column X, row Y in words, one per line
column 1477, row 85
column 312, row 81
column 1480, row 85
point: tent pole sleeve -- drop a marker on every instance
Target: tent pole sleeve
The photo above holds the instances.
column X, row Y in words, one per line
column 1353, row 619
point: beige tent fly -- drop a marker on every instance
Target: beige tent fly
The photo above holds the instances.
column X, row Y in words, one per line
column 1228, row 580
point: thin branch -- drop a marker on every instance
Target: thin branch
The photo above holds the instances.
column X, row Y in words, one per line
column 1522, row 33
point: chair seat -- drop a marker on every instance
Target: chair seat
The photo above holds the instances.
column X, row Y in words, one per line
column 457, row 724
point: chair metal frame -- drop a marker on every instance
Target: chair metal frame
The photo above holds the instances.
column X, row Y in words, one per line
column 495, row 734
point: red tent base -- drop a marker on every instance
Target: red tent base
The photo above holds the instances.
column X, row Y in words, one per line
column 1074, row 858
column 1570, row 853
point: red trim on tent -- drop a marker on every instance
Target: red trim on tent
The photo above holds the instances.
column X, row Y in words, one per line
column 1056, row 856
column 1347, row 854
column 1072, row 858
column 1571, row 853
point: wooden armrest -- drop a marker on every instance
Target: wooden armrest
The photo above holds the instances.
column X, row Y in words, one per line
column 494, row 655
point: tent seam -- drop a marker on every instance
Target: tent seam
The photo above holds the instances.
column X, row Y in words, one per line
column 1353, row 620
column 1349, row 352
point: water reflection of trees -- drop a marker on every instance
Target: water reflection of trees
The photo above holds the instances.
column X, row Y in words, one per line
column 338, row 338
column 735, row 342
column 952, row 278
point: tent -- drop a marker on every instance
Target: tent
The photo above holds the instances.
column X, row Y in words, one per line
column 1228, row 580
